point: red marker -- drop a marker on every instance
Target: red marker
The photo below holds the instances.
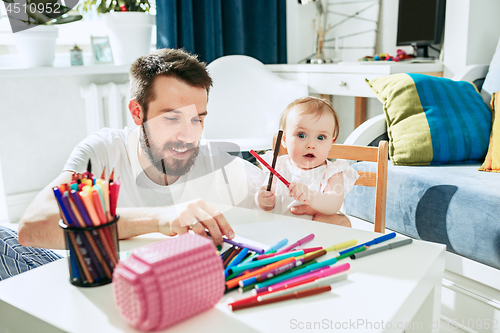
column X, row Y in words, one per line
column 297, row 294
column 286, row 286
column 264, row 163
column 114, row 189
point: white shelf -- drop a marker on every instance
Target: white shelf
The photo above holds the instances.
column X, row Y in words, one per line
column 10, row 66
column 63, row 70
column 383, row 68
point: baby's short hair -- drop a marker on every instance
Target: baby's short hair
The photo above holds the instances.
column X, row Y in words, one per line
column 311, row 105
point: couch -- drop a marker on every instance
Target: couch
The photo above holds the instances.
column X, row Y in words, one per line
column 453, row 204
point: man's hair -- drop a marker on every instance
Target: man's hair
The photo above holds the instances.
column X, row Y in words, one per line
column 311, row 105
column 167, row 62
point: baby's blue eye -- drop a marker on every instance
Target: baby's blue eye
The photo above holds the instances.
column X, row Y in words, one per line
column 301, row 135
column 321, row 137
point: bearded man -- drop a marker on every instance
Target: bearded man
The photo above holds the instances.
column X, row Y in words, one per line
column 167, row 173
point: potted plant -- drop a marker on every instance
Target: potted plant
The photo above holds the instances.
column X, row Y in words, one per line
column 34, row 27
column 129, row 24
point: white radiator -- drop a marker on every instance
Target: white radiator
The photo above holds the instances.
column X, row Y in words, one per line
column 106, row 106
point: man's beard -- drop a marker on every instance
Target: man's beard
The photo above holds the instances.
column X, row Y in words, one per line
column 169, row 166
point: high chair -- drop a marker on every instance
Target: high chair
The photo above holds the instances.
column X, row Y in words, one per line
column 366, row 178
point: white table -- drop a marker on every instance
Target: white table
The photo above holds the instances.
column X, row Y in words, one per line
column 397, row 286
column 348, row 79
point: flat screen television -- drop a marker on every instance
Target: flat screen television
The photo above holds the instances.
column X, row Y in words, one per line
column 420, row 24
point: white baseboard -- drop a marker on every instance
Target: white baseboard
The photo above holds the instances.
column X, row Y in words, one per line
column 17, row 204
column 473, row 270
column 469, row 306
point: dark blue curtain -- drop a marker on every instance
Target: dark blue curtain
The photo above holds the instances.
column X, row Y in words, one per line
column 215, row 28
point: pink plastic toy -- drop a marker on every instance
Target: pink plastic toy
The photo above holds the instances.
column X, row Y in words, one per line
column 161, row 284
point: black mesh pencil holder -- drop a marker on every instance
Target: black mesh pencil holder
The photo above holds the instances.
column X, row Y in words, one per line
column 92, row 253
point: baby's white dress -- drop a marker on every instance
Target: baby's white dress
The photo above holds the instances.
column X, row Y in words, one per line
column 315, row 179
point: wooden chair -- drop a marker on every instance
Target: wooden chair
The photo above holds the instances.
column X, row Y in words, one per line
column 372, row 179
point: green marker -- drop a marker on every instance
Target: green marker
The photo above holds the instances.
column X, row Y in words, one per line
column 348, row 254
column 247, row 288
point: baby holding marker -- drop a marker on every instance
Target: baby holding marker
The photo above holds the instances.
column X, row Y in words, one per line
column 310, row 127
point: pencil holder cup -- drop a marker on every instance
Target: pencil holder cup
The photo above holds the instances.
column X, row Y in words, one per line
column 161, row 284
column 92, row 253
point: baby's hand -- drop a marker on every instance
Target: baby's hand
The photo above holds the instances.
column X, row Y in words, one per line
column 300, row 192
column 266, row 199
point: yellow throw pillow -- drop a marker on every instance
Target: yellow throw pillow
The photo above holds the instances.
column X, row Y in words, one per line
column 492, row 161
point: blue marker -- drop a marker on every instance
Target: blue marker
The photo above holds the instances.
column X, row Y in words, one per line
column 372, row 242
column 249, row 281
column 64, row 208
column 277, row 246
column 236, row 261
column 75, row 273
column 272, row 249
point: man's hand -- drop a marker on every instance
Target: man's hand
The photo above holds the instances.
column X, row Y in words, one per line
column 266, row 199
column 197, row 214
column 337, row 219
column 301, row 193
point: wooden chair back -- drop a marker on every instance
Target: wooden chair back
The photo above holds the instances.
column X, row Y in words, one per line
column 366, row 178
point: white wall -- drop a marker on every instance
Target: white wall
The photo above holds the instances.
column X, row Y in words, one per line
column 300, row 32
column 41, row 120
column 471, row 33
column 301, row 35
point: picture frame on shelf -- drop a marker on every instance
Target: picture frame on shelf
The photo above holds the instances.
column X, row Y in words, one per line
column 101, row 50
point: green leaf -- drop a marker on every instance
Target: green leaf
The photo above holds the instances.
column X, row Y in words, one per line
column 105, row 6
column 43, row 1
column 38, row 17
column 60, row 11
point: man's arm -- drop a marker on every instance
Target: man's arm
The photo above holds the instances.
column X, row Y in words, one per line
column 39, row 224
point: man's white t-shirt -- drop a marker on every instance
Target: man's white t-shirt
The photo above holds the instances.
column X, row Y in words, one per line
column 216, row 176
